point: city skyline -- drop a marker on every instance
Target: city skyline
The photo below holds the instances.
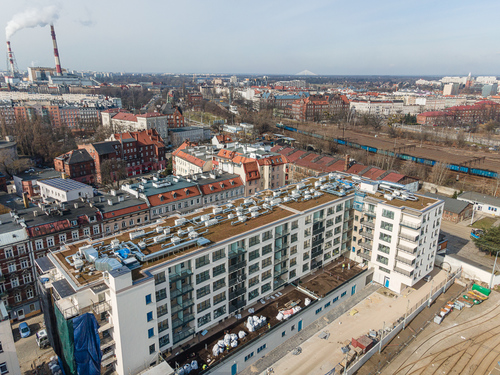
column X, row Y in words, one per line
column 327, row 38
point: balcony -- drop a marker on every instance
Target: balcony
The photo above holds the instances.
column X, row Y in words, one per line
column 180, row 275
column 411, row 238
column 281, row 234
column 406, row 249
column 314, row 254
column 278, row 283
column 237, row 292
column 235, row 306
column 370, row 213
column 403, row 272
column 236, row 252
column 108, row 361
column 237, row 266
column 405, row 261
column 407, row 224
column 367, row 235
column 180, row 322
column 368, row 224
column 316, row 264
column 318, row 242
column 179, row 292
column 181, row 306
column 179, row 336
column 107, row 342
column 280, row 271
column 366, row 245
column 279, row 258
column 236, row 280
column 365, row 255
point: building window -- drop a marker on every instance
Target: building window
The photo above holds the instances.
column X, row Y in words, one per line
column 265, row 288
column 39, row 244
column 151, row 332
column 149, row 316
column 161, row 310
column 247, row 357
column 318, row 310
column 27, row 278
column 202, row 261
column 219, row 270
column 384, row 249
column 161, row 294
column 25, row 263
column 30, row 294
column 202, row 306
column 388, row 214
column 162, row 326
column 74, row 234
column 164, row 340
column 86, row 232
column 219, row 284
column 17, row 297
column 50, row 241
column 11, row 267
column 218, row 254
column 96, row 229
column 148, row 299
column 3, row 368
column 202, row 292
column 219, row 298
column 160, row 278
column 151, row 348
column 21, row 249
column 201, row 277
column 385, row 237
column 253, row 294
column 283, row 334
column 204, row 320
column 386, row 226
column 267, row 249
column 219, row 312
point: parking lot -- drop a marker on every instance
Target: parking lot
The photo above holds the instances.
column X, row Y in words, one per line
column 30, row 356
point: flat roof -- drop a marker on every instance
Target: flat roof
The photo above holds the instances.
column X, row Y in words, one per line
column 216, row 225
column 65, row 184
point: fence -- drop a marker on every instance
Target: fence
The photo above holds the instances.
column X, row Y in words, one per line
column 399, row 325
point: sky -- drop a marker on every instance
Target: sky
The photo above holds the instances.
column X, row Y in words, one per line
column 327, row 37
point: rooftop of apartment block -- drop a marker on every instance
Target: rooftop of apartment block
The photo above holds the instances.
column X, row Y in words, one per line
column 168, row 239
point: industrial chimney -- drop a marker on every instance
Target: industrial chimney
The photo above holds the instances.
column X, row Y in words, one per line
column 56, row 51
column 11, row 59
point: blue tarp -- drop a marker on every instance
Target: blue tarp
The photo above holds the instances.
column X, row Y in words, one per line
column 87, row 345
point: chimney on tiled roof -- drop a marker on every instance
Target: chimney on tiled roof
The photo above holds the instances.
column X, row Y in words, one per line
column 346, row 163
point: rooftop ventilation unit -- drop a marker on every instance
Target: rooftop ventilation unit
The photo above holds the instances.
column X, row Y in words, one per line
column 211, row 222
column 166, row 230
column 322, row 179
column 192, row 235
column 115, row 244
column 275, row 202
column 142, row 245
column 287, row 199
column 181, row 232
column 113, row 192
column 317, row 184
column 110, row 202
column 307, row 197
column 175, row 240
column 217, row 210
column 137, row 234
column 254, row 208
column 231, row 216
column 205, row 218
column 159, row 229
column 159, row 238
column 242, row 219
column 255, row 214
column 180, row 221
column 317, row 194
column 190, row 229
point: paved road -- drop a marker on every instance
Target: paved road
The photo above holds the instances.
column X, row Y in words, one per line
column 459, row 242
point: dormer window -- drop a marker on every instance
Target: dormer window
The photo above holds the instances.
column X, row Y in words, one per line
column 74, row 222
column 161, row 198
column 174, row 195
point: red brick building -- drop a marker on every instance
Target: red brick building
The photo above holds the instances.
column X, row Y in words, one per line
column 315, row 107
column 77, row 165
column 432, row 118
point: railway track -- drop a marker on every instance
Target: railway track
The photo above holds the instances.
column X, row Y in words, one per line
column 416, row 367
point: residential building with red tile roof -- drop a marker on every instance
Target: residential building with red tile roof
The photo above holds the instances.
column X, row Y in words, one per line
column 189, row 158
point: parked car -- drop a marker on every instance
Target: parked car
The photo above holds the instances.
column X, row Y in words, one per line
column 24, row 330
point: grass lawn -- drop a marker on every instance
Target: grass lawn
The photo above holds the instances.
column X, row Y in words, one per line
column 484, row 223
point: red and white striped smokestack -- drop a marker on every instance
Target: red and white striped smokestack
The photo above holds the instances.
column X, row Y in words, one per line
column 56, row 51
column 11, row 59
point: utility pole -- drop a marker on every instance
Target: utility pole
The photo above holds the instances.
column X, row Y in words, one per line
column 493, row 271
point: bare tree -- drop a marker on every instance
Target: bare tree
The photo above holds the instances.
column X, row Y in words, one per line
column 439, row 173
column 112, row 171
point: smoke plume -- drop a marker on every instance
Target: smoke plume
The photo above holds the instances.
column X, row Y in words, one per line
column 31, row 18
